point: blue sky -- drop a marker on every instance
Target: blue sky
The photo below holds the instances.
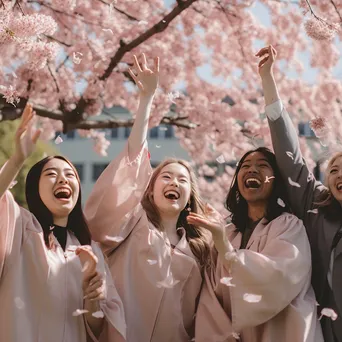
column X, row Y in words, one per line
column 261, row 12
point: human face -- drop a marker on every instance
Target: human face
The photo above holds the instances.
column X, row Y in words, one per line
column 254, row 182
column 58, row 189
column 172, row 188
column 335, row 179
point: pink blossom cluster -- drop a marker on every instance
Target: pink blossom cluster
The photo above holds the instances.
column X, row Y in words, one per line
column 319, row 29
column 10, row 94
column 64, row 5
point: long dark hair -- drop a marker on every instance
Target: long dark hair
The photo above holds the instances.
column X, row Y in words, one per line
column 238, row 206
column 76, row 220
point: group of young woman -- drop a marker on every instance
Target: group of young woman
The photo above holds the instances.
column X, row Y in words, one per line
column 172, row 270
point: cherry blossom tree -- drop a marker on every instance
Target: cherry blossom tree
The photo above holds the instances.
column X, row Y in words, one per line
column 70, row 59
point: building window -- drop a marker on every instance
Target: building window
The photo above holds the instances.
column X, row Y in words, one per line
column 154, row 133
column 80, row 171
column 115, row 133
column 169, row 133
column 97, row 170
column 71, row 135
column 127, row 131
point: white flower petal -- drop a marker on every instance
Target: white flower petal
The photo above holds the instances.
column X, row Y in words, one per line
column 290, row 154
column 227, row 281
column 252, row 298
column 313, row 211
column 281, row 202
column 79, row 312
column 293, row 183
column 58, row 140
column 220, row 159
column 151, row 262
column 98, row 314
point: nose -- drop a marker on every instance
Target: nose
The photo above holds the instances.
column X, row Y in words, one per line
column 62, row 179
column 339, row 175
column 253, row 169
column 174, row 182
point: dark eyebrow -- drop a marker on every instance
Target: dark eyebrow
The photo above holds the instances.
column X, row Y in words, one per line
column 55, row 169
column 258, row 160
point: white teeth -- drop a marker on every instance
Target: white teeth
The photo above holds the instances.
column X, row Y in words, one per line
column 253, row 180
column 339, row 186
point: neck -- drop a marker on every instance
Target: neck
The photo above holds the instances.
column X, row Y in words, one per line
column 256, row 211
column 169, row 225
column 60, row 221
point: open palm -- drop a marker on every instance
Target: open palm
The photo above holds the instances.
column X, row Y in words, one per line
column 26, row 136
column 146, row 79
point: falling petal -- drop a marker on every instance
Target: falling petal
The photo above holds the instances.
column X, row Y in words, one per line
column 329, row 313
column 14, row 74
column 163, row 128
column 79, row 312
column 164, row 21
column 12, row 184
column 58, row 140
column 19, row 303
column 114, row 238
column 168, row 282
column 293, row 183
column 290, row 154
column 227, row 281
column 158, row 146
column 267, row 180
column 77, row 57
column 142, row 22
column 98, row 314
column 281, row 202
column 313, row 211
column 236, row 335
column 52, row 227
column 151, row 262
column 220, row 159
column 108, row 30
column 252, row 298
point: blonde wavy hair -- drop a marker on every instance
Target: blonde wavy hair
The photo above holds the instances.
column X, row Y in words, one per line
column 198, row 238
column 326, row 198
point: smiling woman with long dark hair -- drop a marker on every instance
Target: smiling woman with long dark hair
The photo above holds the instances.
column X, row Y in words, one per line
column 259, row 288
column 54, row 283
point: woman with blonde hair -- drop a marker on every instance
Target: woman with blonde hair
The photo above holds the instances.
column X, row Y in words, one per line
column 317, row 205
column 139, row 217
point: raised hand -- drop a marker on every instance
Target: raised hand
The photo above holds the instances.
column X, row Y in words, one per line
column 268, row 56
column 146, row 79
column 26, row 136
column 88, row 260
column 213, row 223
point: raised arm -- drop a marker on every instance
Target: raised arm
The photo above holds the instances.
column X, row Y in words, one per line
column 114, row 207
column 286, row 144
column 147, row 81
column 12, row 218
column 25, row 142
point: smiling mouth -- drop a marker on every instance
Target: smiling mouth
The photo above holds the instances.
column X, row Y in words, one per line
column 172, row 195
column 62, row 194
column 252, row 183
column 339, row 186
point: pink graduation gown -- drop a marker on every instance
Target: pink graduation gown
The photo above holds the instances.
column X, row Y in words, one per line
column 270, row 299
column 158, row 286
column 40, row 289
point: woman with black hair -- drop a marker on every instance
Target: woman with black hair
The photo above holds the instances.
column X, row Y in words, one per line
column 54, row 284
column 259, row 288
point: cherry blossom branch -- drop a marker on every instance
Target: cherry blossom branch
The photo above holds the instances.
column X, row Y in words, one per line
column 120, row 11
column 336, row 9
column 8, row 113
column 157, row 28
